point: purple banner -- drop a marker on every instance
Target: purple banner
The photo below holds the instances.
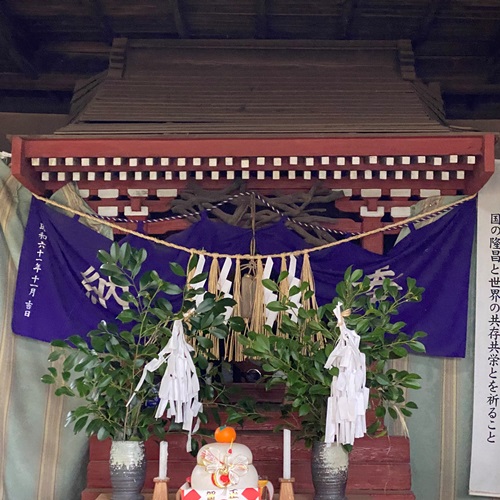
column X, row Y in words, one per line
column 60, row 291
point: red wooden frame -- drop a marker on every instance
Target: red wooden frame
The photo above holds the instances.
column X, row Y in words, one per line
column 463, row 146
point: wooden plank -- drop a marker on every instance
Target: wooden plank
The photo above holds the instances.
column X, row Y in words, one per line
column 179, row 18
column 384, row 450
column 428, row 21
column 271, row 45
column 361, row 476
column 393, row 145
column 352, row 495
column 98, row 13
column 9, row 33
column 348, row 12
column 261, row 21
column 266, row 166
column 46, row 82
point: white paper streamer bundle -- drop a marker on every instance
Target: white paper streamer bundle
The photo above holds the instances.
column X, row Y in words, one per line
column 346, row 410
column 179, row 386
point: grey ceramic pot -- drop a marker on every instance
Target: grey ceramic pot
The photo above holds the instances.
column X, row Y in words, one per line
column 127, row 467
column 329, row 465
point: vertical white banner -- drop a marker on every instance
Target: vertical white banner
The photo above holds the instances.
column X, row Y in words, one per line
column 484, row 475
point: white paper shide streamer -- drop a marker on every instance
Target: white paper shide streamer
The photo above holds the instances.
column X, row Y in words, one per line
column 346, row 410
column 293, row 281
column 179, row 386
column 201, row 284
column 269, row 296
column 224, row 285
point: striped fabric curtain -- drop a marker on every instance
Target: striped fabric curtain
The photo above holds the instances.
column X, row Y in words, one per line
column 441, row 429
column 39, row 457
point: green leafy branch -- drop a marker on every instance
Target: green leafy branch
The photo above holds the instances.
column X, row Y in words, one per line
column 296, row 353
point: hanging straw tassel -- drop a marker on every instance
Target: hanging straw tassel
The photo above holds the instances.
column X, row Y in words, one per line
column 247, row 297
column 191, row 274
column 213, row 280
column 284, row 283
column 233, row 350
column 213, row 276
column 258, row 319
column 283, row 287
column 237, row 286
column 307, row 275
column 311, row 303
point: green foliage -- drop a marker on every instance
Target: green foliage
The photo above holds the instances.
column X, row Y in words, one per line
column 297, row 354
column 104, row 368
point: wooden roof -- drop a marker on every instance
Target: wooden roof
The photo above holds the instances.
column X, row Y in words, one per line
column 45, row 47
column 264, row 88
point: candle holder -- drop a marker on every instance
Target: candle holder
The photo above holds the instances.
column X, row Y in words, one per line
column 286, row 488
column 161, row 488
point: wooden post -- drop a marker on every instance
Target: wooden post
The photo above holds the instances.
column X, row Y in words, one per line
column 375, row 242
column 286, row 489
column 161, row 488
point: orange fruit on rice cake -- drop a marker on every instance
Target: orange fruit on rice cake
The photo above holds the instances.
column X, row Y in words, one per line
column 225, row 434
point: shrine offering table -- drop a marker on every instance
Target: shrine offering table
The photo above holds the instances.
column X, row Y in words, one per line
column 149, row 496
column 171, row 496
column 379, row 468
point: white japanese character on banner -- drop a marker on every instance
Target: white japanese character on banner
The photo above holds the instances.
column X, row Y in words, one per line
column 378, row 277
column 377, row 280
column 102, row 289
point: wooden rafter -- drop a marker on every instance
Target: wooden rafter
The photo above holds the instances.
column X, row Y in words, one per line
column 494, row 72
column 12, row 47
column 428, row 20
column 63, row 82
column 99, row 14
column 179, row 19
column 494, row 66
column 348, row 12
column 261, row 19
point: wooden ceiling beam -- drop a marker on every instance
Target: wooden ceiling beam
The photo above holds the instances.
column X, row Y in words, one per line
column 470, row 88
column 179, row 19
column 64, row 82
column 12, row 47
column 348, row 12
column 494, row 63
column 261, row 19
column 494, row 71
column 99, row 14
column 433, row 8
column 76, row 49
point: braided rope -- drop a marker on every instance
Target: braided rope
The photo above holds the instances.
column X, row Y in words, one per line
column 404, row 223
column 176, row 217
column 264, row 201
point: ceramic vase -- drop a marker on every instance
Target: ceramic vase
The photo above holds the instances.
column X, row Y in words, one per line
column 127, row 467
column 329, row 465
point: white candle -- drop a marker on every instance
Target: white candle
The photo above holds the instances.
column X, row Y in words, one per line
column 287, row 456
column 162, row 472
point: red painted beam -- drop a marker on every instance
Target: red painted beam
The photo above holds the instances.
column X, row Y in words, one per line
column 480, row 176
column 241, row 147
column 22, row 171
